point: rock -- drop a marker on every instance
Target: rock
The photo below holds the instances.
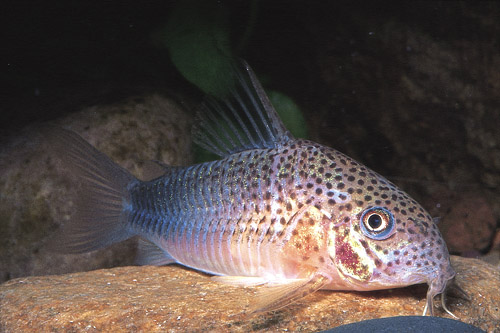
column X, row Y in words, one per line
column 412, row 99
column 466, row 219
column 407, row 324
column 173, row 298
column 36, row 192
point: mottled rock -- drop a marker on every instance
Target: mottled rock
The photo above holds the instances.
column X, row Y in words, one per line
column 177, row 299
column 466, row 219
column 36, row 191
column 413, row 99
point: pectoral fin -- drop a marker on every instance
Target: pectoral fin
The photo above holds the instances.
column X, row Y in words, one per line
column 274, row 297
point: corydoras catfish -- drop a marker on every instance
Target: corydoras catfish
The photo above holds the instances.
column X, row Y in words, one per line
column 274, row 210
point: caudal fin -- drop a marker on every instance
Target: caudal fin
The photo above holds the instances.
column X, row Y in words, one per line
column 100, row 217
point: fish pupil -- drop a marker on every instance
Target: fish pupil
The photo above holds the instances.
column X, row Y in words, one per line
column 375, row 221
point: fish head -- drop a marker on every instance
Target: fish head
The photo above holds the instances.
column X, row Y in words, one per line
column 379, row 237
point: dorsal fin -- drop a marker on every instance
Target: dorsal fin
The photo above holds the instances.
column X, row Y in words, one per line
column 243, row 119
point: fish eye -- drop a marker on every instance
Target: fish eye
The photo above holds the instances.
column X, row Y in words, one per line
column 377, row 223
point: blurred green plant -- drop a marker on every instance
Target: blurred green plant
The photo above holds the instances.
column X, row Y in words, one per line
column 197, row 35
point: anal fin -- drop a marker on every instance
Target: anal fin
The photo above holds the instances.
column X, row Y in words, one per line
column 149, row 253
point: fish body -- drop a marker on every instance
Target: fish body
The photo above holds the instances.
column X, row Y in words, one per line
column 288, row 213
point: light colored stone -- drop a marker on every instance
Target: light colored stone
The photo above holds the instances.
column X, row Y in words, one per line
column 176, row 299
column 36, row 192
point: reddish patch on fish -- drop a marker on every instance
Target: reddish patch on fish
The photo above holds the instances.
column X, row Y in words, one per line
column 349, row 261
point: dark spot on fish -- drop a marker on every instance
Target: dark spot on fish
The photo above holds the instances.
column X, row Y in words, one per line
column 331, row 202
column 283, row 221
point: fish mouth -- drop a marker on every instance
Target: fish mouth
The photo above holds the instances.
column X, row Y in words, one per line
column 438, row 285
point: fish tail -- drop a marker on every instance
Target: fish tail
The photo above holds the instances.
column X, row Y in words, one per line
column 103, row 200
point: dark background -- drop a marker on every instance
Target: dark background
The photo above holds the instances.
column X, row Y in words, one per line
column 409, row 88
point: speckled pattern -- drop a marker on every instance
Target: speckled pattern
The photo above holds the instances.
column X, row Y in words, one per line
column 255, row 197
column 287, row 212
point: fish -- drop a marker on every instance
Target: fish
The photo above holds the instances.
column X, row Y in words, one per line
column 284, row 213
